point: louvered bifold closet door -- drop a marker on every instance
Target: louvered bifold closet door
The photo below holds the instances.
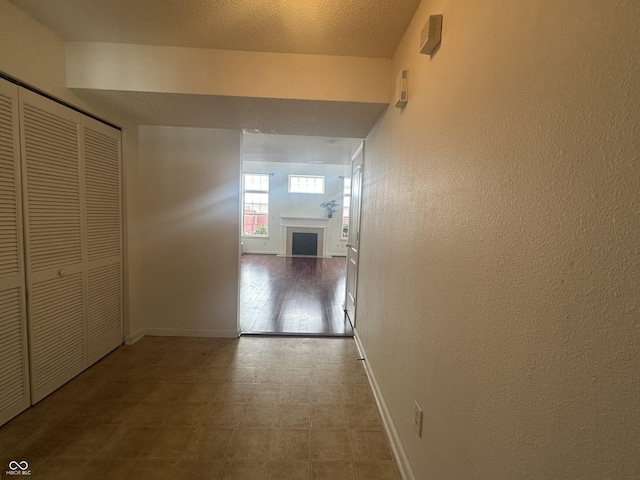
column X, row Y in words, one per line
column 104, row 237
column 14, row 372
column 54, row 229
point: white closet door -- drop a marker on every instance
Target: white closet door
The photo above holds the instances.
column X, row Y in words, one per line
column 104, row 237
column 54, row 228
column 14, row 373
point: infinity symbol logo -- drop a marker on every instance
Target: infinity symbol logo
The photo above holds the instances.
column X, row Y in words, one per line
column 23, row 465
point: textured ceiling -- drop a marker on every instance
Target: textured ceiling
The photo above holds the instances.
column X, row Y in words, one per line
column 328, row 27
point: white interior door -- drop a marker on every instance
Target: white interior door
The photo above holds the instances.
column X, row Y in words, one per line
column 104, row 237
column 71, row 172
column 353, row 245
column 14, row 372
column 61, row 272
column 54, row 230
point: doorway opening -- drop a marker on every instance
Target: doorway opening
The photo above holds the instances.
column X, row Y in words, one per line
column 294, row 251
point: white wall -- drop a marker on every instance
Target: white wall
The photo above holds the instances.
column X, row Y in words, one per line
column 281, row 202
column 510, row 311
column 190, row 230
column 34, row 55
column 148, row 68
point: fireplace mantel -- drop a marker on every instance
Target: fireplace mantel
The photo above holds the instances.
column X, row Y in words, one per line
column 315, row 222
column 304, row 225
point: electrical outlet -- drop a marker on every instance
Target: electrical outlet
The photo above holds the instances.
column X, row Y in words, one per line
column 417, row 418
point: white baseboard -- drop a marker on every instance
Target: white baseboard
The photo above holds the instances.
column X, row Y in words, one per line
column 392, row 434
column 178, row 332
column 133, row 338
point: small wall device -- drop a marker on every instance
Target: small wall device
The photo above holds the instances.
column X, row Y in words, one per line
column 402, row 88
column 431, row 35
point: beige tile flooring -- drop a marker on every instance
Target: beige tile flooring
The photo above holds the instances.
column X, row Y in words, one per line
column 263, row 408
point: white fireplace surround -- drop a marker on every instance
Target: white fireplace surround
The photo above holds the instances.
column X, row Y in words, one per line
column 291, row 225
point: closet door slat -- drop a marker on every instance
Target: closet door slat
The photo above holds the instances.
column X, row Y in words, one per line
column 14, row 371
column 14, row 393
column 57, row 334
column 104, row 238
column 10, row 260
column 52, row 197
column 105, row 310
column 102, row 177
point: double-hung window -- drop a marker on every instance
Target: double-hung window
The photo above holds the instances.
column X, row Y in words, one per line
column 255, row 204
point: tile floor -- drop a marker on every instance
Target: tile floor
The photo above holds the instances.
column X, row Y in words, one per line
column 263, row 408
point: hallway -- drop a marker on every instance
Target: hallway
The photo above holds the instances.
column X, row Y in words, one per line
column 251, row 408
column 293, row 295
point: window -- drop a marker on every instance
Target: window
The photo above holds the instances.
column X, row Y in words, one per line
column 346, row 200
column 306, row 184
column 255, row 204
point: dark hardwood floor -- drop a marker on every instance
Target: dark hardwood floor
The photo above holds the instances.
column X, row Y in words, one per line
column 293, row 295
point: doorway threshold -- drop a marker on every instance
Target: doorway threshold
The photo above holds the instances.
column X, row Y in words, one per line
column 298, row 334
column 302, row 256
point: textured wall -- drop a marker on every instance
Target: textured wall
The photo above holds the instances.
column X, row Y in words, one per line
column 32, row 53
column 190, row 230
column 512, row 312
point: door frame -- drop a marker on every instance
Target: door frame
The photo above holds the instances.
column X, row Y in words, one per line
column 353, row 243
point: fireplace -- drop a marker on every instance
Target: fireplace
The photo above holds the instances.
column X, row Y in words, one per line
column 309, row 231
column 304, row 243
column 304, row 233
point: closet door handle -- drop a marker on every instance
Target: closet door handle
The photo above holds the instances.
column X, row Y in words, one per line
column 62, row 272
